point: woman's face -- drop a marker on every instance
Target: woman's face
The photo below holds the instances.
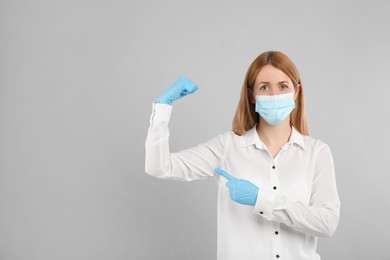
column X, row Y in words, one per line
column 273, row 81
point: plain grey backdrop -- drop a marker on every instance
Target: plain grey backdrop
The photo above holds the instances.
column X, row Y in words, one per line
column 77, row 82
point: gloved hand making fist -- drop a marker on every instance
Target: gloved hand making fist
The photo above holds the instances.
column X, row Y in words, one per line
column 180, row 88
column 241, row 191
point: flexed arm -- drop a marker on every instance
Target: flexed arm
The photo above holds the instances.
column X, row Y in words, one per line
column 189, row 164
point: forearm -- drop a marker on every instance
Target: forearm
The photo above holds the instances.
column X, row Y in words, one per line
column 157, row 141
column 318, row 219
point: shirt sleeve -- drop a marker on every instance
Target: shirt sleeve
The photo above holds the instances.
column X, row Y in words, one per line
column 190, row 164
column 319, row 218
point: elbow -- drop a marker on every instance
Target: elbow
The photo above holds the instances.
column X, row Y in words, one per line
column 153, row 171
column 153, row 167
column 332, row 221
column 148, row 169
column 330, row 231
column 156, row 171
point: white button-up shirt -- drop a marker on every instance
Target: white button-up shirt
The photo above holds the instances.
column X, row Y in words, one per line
column 297, row 200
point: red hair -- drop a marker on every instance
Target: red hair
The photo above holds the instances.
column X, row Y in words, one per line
column 246, row 116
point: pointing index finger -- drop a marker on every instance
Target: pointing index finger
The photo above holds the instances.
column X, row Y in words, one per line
column 224, row 174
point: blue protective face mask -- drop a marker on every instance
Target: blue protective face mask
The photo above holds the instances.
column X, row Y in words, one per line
column 275, row 108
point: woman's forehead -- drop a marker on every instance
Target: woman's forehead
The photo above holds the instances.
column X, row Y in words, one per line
column 270, row 74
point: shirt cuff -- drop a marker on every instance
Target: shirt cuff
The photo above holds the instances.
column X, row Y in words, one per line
column 161, row 113
column 265, row 203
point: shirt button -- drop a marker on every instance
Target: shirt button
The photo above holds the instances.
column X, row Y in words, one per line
column 273, row 167
column 275, row 188
column 276, row 232
column 261, row 212
column 277, row 256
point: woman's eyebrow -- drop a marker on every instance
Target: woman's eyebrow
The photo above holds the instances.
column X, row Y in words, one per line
column 265, row 82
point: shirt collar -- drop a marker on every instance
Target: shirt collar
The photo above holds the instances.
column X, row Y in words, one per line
column 252, row 138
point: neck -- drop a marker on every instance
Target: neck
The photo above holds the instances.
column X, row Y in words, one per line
column 274, row 136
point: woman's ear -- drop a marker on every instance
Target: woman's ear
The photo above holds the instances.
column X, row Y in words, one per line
column 297, row 89
column 251, row 96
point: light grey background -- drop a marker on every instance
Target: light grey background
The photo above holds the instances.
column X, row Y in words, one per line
column 77, row 82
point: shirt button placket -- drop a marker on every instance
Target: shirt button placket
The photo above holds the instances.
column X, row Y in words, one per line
column 274, row 178
column 276, row 240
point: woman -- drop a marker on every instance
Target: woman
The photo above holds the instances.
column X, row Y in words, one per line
column 276, row 185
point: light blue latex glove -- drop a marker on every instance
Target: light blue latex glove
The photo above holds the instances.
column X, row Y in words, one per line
column 180, row 88
column 241, row 191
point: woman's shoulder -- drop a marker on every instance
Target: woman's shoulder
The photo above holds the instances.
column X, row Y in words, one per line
column 314, row 143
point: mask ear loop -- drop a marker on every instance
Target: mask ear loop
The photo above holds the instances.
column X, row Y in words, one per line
column 295, row 88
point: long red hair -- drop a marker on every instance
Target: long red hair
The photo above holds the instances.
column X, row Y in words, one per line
column 246, row 116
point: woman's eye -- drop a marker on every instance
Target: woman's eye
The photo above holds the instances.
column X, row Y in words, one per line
column 264, row 87
column 284, row 87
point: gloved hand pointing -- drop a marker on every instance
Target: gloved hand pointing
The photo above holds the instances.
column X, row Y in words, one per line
column 180, row 88
column 241, row 191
